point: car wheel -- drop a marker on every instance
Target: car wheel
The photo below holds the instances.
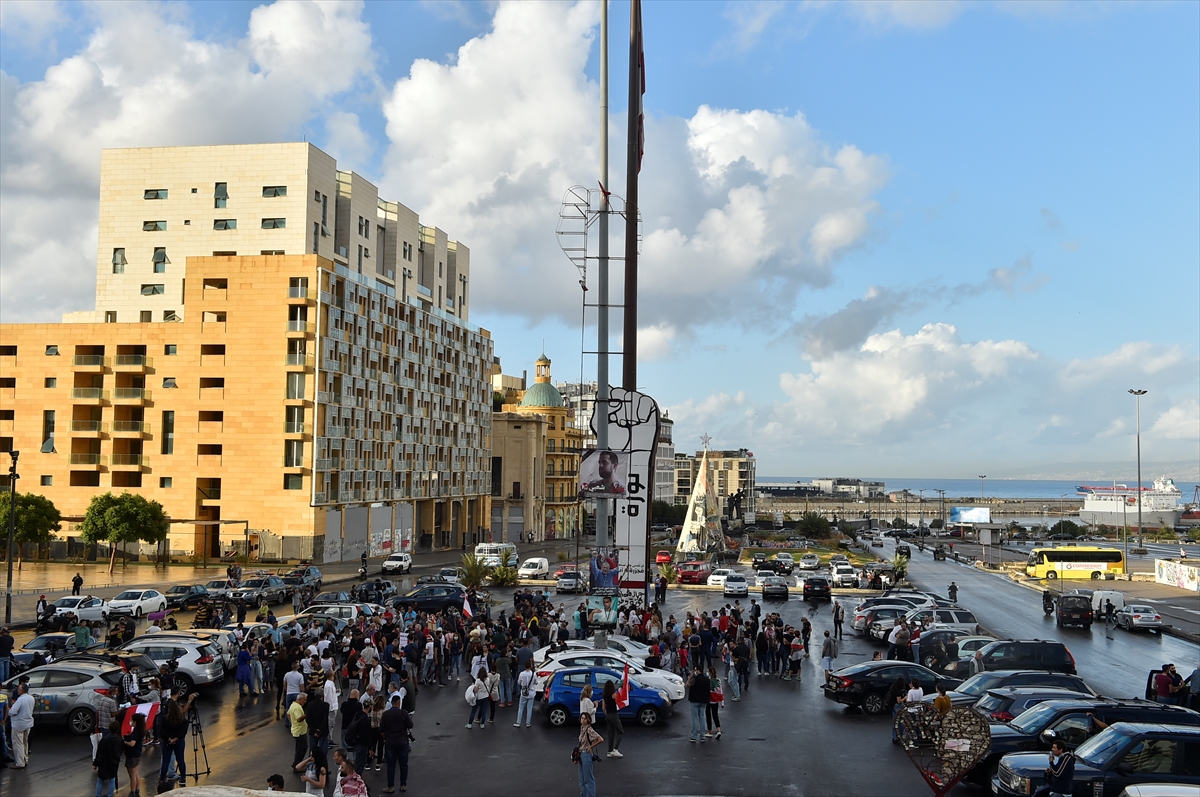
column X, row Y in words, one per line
column 81, row 721
column 648, row 716
column 873, row 704
column 185, row 684
column 137, row 612
column 930, row 661
column 558, row 716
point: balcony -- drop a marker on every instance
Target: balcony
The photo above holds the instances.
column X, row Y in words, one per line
column 89, row 362
column 130, row 427
column 89, row 394
column 88, row 428
column 302, row 359
column 89, row 460
column 124, row 461
column 297, row 292
column 320, row 498
column 325, row 463
column 132, row 362
column 293, row 427
column 301, row 327
column 131, row 394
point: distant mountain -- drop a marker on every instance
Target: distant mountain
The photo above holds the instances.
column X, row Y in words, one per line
column 1122, row 471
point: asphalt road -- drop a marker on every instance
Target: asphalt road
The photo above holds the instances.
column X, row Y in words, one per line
column 783, row 738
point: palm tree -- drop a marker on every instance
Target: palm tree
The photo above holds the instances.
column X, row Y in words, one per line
column 474, row 571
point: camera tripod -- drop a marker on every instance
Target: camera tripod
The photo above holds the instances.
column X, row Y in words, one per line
column 198, row 747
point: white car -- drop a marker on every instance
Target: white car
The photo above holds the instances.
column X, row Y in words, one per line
column 967, row 645
column 88, row 607
column 623, row 645
column 397, row 563
column 810, row 561
column 717, row 579
column 844, row 576
column 736, row 584
column 668, row 682
column 138, row 602
column 453, row 574
column 956, row 619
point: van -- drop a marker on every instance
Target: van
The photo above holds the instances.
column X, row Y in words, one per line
column 1101, row 595
column 503, row 553
column 534, row 568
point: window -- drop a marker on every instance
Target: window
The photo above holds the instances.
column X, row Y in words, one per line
column 297, row 287
column 1151, row 756
column 360, row 225
column 153, row 226
column 160, row 260
column 295, row 386
column 293, row 453
column 170, row 315
column 224, row 254
column 164, row 482
column 324, row 213
column 224, row 224
column 220, row 195
column 210, row 450
column 316, row 196
column 155, row 193
column 7, row 415
column 169, row 382
column 146, row 317
column 295, row 420
column 118, row 260
column 293, row 481
column 274, row 224
column 51, row 351
column 48, row 431
column 168, row 431
column 274, row 190
column 110, row 316
column 170, row 350
column 47, row 481
column 51, row 381
column 366, row 252
column 272, row 252
column 153, row 290
column 8, row 351
column 316, row 239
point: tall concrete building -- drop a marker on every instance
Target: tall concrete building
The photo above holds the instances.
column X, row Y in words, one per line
column 273, row 347
column 730, row 471
column 664, row 461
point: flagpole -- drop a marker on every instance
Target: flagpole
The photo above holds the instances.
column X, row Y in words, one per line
column 633, row 163
column 601, row 417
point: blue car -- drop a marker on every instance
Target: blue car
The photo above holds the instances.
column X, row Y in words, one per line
column 560, row 703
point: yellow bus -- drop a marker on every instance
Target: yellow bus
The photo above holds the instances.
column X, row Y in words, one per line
column 1074, row 561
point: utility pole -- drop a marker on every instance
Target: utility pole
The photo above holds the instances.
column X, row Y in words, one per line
column 12, row 530
column 601, row 417
column 1137, row 398
column 981, row 498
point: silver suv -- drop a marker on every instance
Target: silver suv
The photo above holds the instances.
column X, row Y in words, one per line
column 225, row 642
column 261, row 588
column 199, row 662
column 67, row 691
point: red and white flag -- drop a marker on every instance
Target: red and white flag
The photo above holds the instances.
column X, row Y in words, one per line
column 467, row 608
column 622, row 695
column 147, row 710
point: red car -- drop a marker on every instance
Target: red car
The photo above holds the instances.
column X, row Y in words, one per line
column 663, row 558
column 565, row 567
column 694, row 573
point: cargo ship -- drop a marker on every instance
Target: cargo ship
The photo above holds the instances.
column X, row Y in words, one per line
column 1117, row 504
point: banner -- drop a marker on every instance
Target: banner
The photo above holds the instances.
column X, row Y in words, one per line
column 970, row 514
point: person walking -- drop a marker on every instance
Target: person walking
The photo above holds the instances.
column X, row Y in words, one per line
column 20, row 719
column 839, row 617
column 952, row 590
column 589, row 739
column 712, row 711
column 477, row 698
column 394, row 727
column 699, row 693
column 299, row 728
column 616, row 732
column 76, row 584
column 107, row 762
column 526, row 693
column 586, row 705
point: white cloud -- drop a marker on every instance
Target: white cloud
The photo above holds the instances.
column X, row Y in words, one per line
column 143, row 79
column 749, row 20
column 29, row 23
column 917, row 14
column 655, row 343
column 346, row 141
column 1181, row 422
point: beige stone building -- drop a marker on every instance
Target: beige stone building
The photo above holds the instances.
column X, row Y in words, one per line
column 518, row 476
column 331, row 407
column 730, row 472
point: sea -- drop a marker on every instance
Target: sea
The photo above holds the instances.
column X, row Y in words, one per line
column 969, row 489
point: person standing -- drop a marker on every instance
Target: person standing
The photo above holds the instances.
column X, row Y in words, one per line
column 1060, row 774
column 479, row 691
column 76, row 584
column 394, row 726
column 699, row 694
column 107, row 762
column 20, row 719
column 331, row 697
column 299, row 728
column 133, row 742
column 526, row 692
column 616, row 732
column 942, row 702
column 174, row 734
column 952, row 590
column 6, row 648
column 715, row 698
column 588, row 741
column 839, row 617
column 829, row 652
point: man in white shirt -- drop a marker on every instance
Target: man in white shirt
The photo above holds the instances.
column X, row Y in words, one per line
column 891, row 654
column 21, row 719
column 293, row 685
column 331, row 697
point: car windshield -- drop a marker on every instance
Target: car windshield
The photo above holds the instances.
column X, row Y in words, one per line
column 217, row 584
column 129, row 595
column 1033, row 720
column 178, row 589
column 254, row 583
column 734, row 577
column 977, row 684
column 39, row 643
column 67, row 603
column 1101, row 748
column 1140, row 609
column 1074, row 602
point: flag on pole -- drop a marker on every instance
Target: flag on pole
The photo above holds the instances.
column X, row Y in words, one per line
column 467, row 608
column 147, row 710
column 640, row 60
column 622, row 695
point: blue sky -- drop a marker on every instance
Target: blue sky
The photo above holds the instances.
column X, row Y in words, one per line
column 903, row 238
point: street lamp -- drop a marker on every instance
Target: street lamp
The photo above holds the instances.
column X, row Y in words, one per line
column 941, row 507
column 981, row 478
column 12, row 529
column 1137, row 398
column 921, row 528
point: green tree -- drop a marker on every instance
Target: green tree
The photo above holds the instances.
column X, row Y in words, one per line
column 813, row 526
column 936, row 523
column 898, row 522
column 37, row 520
column 504, row 576
column 671, row 514
column 1194, row 534
column 1066, row 527
column 122, row 519
column 900, row 565
column 668, row 572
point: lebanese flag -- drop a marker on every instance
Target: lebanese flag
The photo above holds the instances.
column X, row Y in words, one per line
column 467, row 608
column 622, row 695
column 147, row 710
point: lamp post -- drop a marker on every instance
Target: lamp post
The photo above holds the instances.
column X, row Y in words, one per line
column 12, row 530
column 981, row 478
column 921, row 528
column 942, row 507
column 1137, row 398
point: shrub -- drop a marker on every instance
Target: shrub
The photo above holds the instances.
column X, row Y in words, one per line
column 669, row 572
column 503, row 576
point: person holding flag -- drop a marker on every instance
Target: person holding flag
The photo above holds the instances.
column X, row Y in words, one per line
column 614, row 700
column 467, row 613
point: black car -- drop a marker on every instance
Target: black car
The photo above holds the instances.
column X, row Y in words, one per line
column 186, row 596
column 903, row 550
column 978, row 686
column 432, row 597
column 1067, row 721
column 816, row 588
column 1019, row 654
column 1009, row 702
column 866, row 685
column 1073, row 610
column 757, row 559
column 1124, row 754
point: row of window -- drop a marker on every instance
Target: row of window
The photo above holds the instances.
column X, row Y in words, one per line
column 160, row 225
column 220, row 192
column 169, row 350
column 291, row 481
column 144, row 316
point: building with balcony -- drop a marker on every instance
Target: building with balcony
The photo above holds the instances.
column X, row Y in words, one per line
column 729, row 471
column 664, row 461
column 330, row 404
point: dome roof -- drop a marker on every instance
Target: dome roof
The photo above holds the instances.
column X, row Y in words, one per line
column 542, row 394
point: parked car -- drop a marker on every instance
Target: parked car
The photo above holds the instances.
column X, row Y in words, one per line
column 785, row 563
column 224, row 642
column 718, row 576
column 972, row 690
column 757, row 559
column 810, row 561
column 186, row 596
column 87, row 607
column 451, row 574
column 663, row 558
column 694, row 572
column 866, row 685
column 397, row 563
column 142, row 666
column 58, row 643
column 259, row 589
column 432, row 597
column 911, row 601
column 249, row 629
column 294, row 584
column 956, row 619
column 350, row 612
column 631, row 649
column 663, row 680
column 1124, row 754
column 844, row 576
column 816, row 588
column 1025, row 654
column 1138, row 616
column 198, row 661
column 138, row 602
column 884, row 613
column 218, row 588
column 309, row 574
column 1073, row 610
column 66, row 692
column 566, row 567
column 1008, row 702
column 735, row 585
column 560, row 701
column 299, row 621
column 571, row 581
column 534, row 568
column 774, row 586
column 326, row 598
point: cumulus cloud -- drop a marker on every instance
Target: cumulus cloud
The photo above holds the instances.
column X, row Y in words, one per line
column 1181, row 422
column 737, row 205
column 749, row 20
column 29, row 23
column 169, row 89
column 848, row 328
column 918, row 14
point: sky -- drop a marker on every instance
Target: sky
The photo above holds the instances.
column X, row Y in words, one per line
column 900, row 238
